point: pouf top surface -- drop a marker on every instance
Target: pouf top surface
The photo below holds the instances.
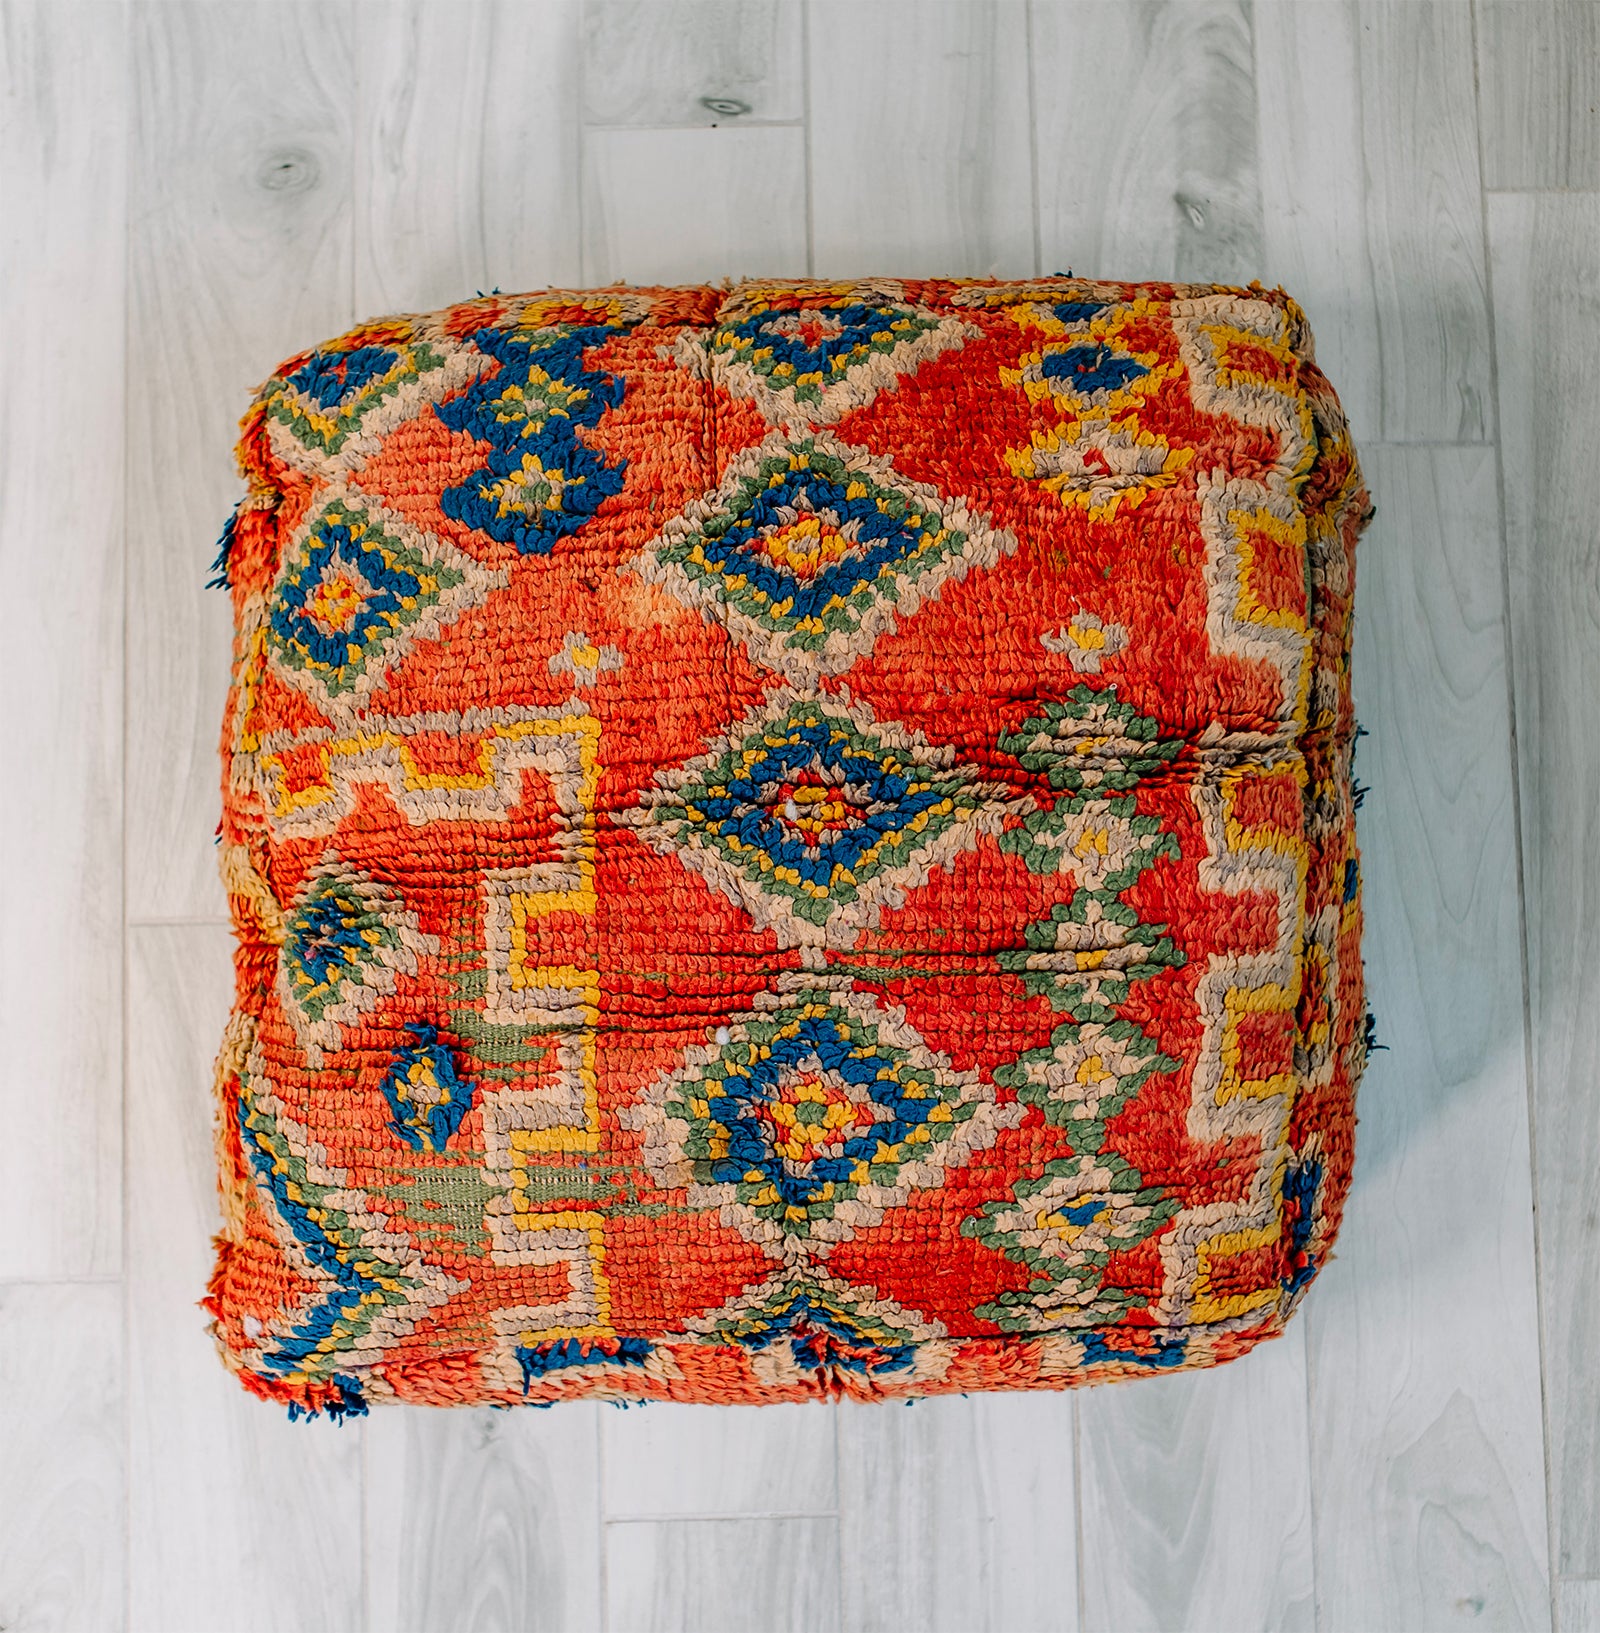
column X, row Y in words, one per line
column 787, row 840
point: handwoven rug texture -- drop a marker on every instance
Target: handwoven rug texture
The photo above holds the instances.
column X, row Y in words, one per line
column 787, row 841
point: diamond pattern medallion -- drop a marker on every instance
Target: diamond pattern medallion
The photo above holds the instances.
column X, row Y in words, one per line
column 813, row 815
column 811, row 550
column 811, row 1114
column 814, row 365
column 359, row 588
column 803, row 1319
column 333, row 412
column 1097, row 466
column 345, row 941
column 1064, row 1226
column 1089, row 374
column 538, row 483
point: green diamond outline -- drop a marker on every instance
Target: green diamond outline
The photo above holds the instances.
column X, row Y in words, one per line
column 961, row 541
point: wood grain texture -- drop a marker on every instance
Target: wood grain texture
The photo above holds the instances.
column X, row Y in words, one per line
column 1578, row 1604
column 239, row 255
column 956, row 1515
column 1195, row 1498
column 1146, row 133
column 238, row 1519
column 480, row 1519
column 62, row 229
column 1546, row 253
column 1539, row 92
column 652, row 62
column 691, row 206
column 1026, row 1466
column 1426, row 1432
column 1424, row 219
column 723, row 1576
column 1371, row 210
column 675, row 1461
column 63, row 1493
column 466, row 151
column 919, row 139
column 1315, row 241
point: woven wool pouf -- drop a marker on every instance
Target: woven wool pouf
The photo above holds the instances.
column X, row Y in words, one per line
column 787, row 841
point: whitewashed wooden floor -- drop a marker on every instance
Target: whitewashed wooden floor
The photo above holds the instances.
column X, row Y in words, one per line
column 192, row 191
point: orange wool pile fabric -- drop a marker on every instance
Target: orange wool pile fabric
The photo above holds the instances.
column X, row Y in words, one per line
column 785, row 841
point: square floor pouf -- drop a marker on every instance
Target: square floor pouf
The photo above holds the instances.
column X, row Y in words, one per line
column 787, row 841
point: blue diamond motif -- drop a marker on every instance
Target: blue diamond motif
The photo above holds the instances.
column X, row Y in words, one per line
column 810, row 550
column 331, row 379
column 813, row 815
column 816, row 364
column 1090, row 368
column 813, row 1112
column 878, row 539
column 538, row 483
column 387, row 588
column 427, row 1096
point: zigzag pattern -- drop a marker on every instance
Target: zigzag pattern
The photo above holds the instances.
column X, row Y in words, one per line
column 381, row 753
column 1235, row 504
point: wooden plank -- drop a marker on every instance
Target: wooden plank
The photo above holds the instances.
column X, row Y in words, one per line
column 1546, row 255
column 1195, row 1498
column 658, row 62
column 1424, row 218
column 723, row 1576
column 61, row 1503
column 677, row 1461
column 1026, row 1464
column 466, row 169
column 687, row 206
column 237, row 1518
column 1371, row 214
column 919, row 139
column 1145, row 129
column 1026, row 1468
column 957, row 1514
column 1578, row 1604
column 481, row 1518
column 239, row 255
column 1313, row 192
column 61, row 320
column 1426, row 1430
column 1539, row 92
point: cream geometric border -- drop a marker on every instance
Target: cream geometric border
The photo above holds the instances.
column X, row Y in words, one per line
column 475, row 584
column 562, row 1002
column 1234, row 506
column 576, row 1240
column 377, row 752
column 1226, row 1106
